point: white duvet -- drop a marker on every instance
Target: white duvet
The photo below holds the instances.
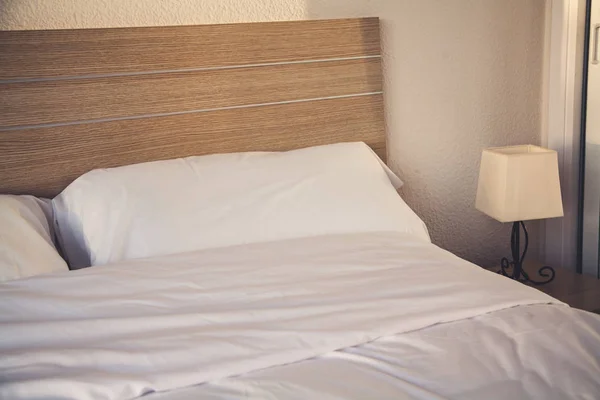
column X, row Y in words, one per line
column 124, row 330
column 541, row 351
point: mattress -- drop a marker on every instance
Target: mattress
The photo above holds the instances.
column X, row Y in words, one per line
column 370, row 315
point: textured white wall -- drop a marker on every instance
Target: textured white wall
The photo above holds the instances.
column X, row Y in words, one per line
column 460, row 76
column 65, row 14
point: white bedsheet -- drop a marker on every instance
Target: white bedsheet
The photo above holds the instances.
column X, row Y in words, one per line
column 544, row 352
column 120, row 331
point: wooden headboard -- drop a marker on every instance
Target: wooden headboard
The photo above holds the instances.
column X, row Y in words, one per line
column 76, row 100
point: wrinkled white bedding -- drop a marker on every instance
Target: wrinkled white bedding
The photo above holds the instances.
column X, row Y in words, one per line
column 120, row 331
column 542, row 352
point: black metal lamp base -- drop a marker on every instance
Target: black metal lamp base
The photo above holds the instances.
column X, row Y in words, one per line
column 514, row 269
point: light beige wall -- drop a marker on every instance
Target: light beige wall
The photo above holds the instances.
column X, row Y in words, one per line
column 65, row 14
column 460, row 75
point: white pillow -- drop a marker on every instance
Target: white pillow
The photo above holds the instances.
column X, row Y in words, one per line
column 26, row 246
column 181, row 205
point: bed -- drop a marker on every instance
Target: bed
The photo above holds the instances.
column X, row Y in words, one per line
column 314, row 281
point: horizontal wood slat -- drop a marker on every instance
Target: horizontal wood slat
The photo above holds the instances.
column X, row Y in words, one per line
column 34, row 103
column 55, row 53
column 44, row 161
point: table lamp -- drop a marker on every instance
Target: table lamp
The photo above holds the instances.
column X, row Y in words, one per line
column 517, row 184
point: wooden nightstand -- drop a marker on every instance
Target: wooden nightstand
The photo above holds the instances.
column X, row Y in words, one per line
column 579, row 291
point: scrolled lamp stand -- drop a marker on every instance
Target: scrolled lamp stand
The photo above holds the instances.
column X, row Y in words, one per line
column 516, row 265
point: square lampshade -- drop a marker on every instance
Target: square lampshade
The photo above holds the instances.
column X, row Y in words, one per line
column 519, row 183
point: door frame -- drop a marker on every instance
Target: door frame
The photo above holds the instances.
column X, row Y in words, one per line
column 561, row 122
column 587, row 248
